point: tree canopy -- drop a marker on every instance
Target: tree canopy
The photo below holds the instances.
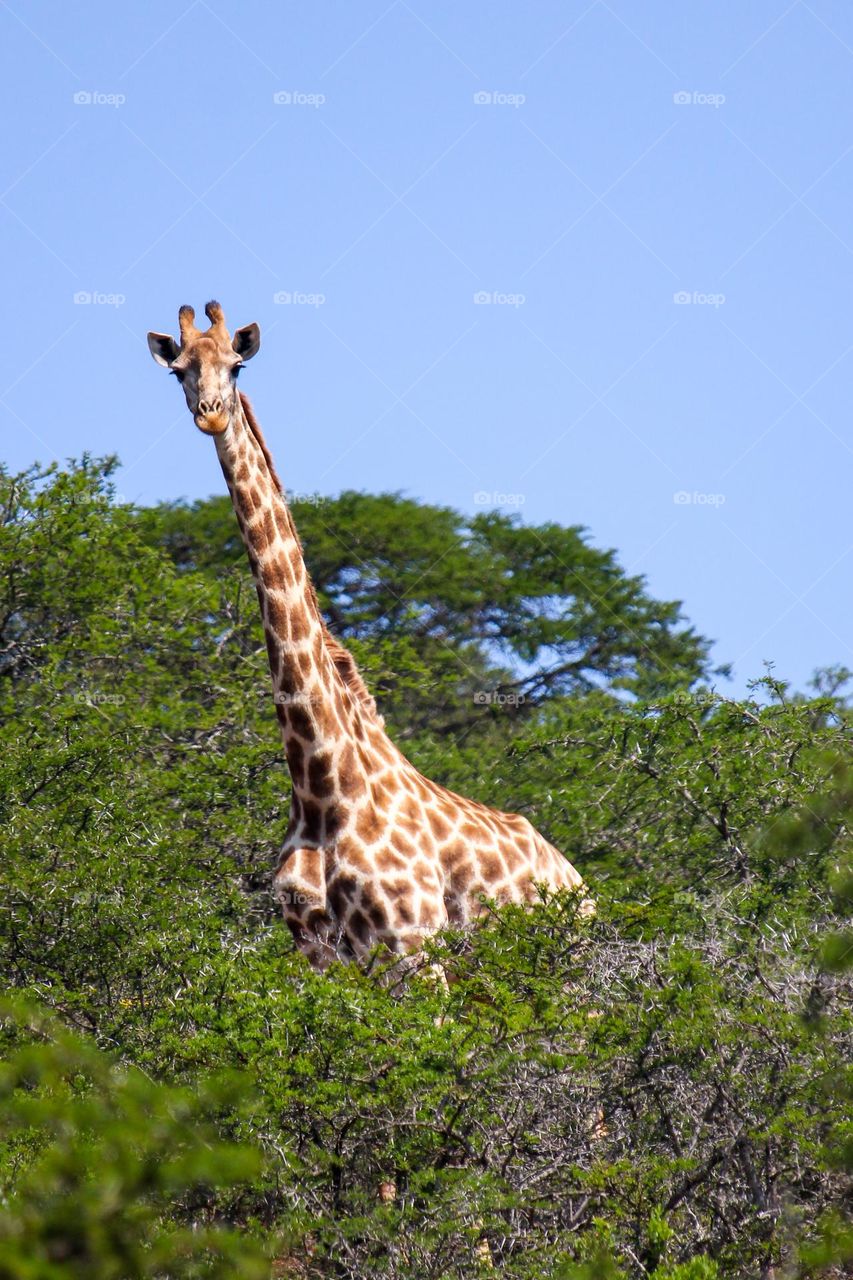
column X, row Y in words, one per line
column 535, row 609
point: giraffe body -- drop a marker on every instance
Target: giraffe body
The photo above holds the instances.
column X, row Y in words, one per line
column 375, row 854
column 398, row 870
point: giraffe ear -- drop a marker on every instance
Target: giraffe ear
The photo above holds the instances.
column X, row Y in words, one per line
column 163, row 348
column 246, row 341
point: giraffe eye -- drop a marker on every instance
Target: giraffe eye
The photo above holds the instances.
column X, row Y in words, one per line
column 236, row 368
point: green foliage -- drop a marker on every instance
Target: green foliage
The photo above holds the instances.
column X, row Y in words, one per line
column 662, row 1092
column 100, row 1162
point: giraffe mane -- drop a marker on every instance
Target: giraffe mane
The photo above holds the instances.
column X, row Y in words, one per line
column 255, row 428
column 347, row 669
column 342, row 660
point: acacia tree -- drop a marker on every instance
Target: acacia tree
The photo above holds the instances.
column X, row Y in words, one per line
column 484, row 604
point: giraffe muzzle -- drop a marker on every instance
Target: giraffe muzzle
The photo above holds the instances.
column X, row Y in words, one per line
column 211, row 417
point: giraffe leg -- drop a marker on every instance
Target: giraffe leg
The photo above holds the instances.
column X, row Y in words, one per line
column 299, row 886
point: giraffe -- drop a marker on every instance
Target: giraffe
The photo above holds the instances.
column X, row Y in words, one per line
column 375, row 855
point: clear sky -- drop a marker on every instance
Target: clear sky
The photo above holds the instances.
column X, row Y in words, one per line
column 337, row 154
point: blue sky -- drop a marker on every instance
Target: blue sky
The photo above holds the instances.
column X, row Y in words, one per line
column 581, row 165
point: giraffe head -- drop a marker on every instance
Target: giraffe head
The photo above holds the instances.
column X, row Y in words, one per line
column 206, row 364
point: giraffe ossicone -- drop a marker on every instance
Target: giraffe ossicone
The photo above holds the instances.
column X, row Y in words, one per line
column 375, row 854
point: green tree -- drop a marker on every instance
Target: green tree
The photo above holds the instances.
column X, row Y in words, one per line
column 106, row 1175
column 487, row 603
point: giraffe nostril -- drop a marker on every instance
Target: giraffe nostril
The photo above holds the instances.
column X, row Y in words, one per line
column 206, row 407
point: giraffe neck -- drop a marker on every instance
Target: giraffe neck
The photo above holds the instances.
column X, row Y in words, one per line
column 322, row 721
